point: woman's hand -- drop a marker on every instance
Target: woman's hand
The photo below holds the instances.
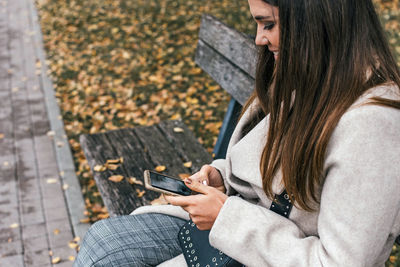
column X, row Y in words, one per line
column 203, row 208
column 209, row 176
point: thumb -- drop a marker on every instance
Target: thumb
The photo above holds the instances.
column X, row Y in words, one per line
column 195, row 185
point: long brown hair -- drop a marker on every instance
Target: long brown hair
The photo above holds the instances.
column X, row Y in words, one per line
column 330, row 53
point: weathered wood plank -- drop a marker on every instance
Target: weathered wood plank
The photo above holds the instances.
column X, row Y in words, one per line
column 185, row 144
column 136, row 160
column 160, row 150
column 236, row 82
column 119, row 198
column 235, row 46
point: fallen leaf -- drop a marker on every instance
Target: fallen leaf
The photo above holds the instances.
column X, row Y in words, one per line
column 60, row 143
column 51, row 180
column 85, row 220
column 72, row 244
column 55, row 260
column 140, row 193
column 160, row 168
column 99, row 168
column 56, row 231
column 116, row 178
column 50, row 253
column 187, row 164
column 112, row 167
column 77, row 239
column 14, row 225
column 133, row 180
column 178, row 130
column 103, row 216
column 184, row 175
column 65, row 186
column 113, row 161
column 71, row 258
column 51, row 133
column 1, row 136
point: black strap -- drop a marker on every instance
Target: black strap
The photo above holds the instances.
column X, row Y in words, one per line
column 282, row 204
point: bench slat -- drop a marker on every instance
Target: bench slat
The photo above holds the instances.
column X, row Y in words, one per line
column 235, row 46
column 142, row 148
column 185, row 144
column 119, row 198
column 236, row 82
column 160, row 150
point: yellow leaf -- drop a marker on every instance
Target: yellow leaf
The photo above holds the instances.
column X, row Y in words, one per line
column 140, row 193
column 112, row 167
column 14, row 225
column 160, row 168
column 116, row 178
column 51, row 181
column 114, row 161
column 77, row 238
column 187, row 164
column 86, row 220
column 99, row 168
column 178, row 130
column 133, row 180
column 72, row 244
column 50, row 253
column 71, row 258
column 55, row 260
column 1, row 136
column 56, row 231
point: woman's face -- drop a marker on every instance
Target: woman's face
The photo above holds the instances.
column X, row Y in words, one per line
column 267, row 18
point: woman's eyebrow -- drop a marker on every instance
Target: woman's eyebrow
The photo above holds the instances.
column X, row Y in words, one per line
column 262, row 17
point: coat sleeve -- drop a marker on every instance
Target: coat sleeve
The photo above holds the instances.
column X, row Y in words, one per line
column 220, row 165
column 359, row 208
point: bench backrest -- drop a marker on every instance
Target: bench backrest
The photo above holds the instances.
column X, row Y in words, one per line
column 229, row 57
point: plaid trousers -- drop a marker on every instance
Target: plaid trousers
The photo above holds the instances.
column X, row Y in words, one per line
column 131, row 240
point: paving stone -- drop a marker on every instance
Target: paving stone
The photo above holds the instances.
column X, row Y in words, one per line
column 10, row 248
column 36, row 243
column 60, row 225
column 60, row 240
column 64, row 253
column 29, row 189
column 14, row 261
column 56, row 214
column 34, row 230
column 37, row 258
column 52, row 190
column 50, row 202
column 31, row 212
column 9, row 234
column 8, row 193
column 8, row 215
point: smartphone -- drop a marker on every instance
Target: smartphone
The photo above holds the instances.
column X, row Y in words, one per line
column 165, row 184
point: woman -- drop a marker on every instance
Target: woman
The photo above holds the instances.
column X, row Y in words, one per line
column 323, row 124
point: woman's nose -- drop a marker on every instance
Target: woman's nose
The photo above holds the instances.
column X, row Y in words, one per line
column 261, row 40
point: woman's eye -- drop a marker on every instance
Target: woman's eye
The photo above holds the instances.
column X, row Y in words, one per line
column 269, row 26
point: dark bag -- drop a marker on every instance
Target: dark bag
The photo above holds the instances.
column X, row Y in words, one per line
column 197, row 250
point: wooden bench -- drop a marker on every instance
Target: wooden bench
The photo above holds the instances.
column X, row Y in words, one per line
column 229, row 57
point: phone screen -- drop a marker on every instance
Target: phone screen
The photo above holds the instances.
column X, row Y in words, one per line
column 169, row 184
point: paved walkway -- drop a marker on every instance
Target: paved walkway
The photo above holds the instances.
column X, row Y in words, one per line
column 40, row 199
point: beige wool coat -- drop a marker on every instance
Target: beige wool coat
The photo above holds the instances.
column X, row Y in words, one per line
column 358, row 217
